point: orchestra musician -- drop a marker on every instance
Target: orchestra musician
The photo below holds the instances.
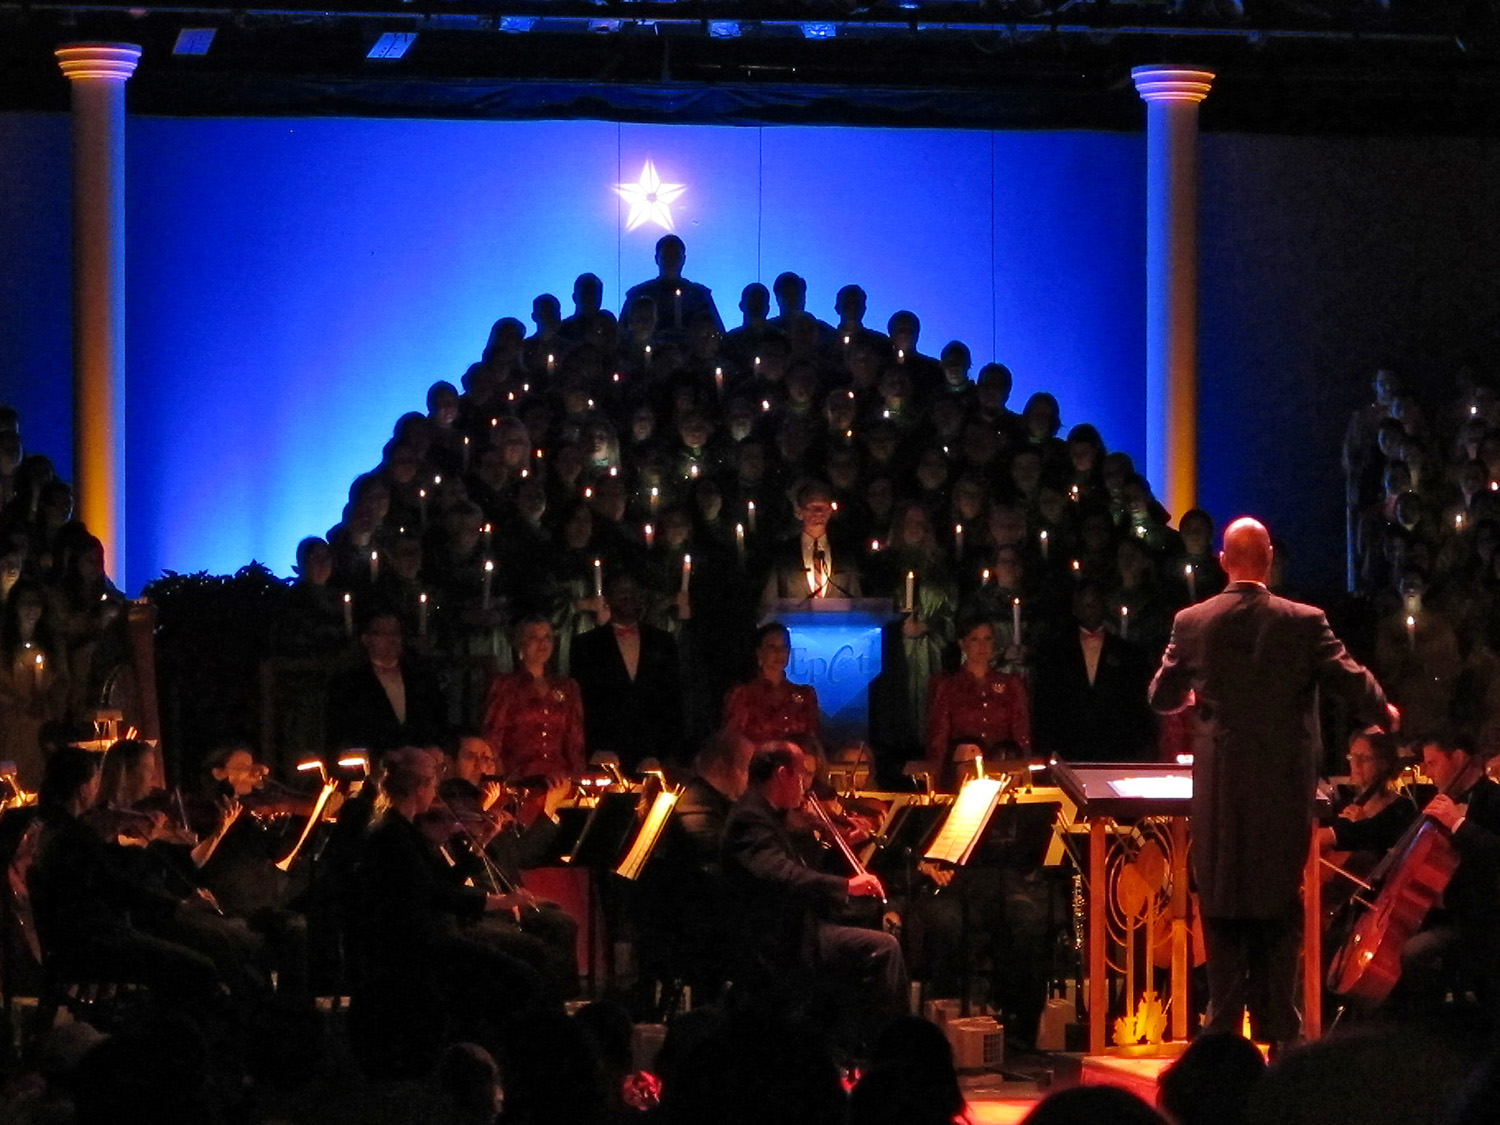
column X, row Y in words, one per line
column 149, row 843
column 87, row 917
column 1460, row 943
column 261, row 823
column 770, row 708
column 533, row 719
column 482, row 812
column 1377, row 815
column 679, row 906
column 777, row 899
column 977, row 706
column 1252, row 665
column 414, row 959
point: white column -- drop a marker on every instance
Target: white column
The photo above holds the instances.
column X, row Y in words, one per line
column 1172, row 95
column 98, row 72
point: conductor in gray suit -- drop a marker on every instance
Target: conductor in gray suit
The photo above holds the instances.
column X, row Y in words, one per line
column 1252, row 665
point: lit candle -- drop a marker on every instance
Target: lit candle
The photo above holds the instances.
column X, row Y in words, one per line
column 677, row 307
column 614, row 470
column 739, row 540
column 588, row 493
column 693, row 470
column 874, row 545
column 1458, row 522
column 38, row 670
column 650, row 533
column 466, row 453
column 750, row 516
column 719, row 380
column 598, row 578
column 349, row 615
column 422, row 506
column 911, row 591
column 1077, row 569
column 437, row 480
column 900, row 355
column 984, row 577
column 1191, row 574
column 421, row 615
column 1411, row 630
column 648, row 357
column 615, row 378
column 1042, row 535
column 485, row 534
column 374, row 565
column 846, row 343
column 655, row 500
column 1073, row 493
column 551, row 363
column 687, row 571
column 1015, row 621
column 757, row 363
column 765, row 405
column 489, row 582
column 958, row 539
column 539, row 456
column 1124, row 621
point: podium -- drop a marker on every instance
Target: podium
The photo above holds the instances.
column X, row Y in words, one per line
column 836, row 649
column 1137, row 819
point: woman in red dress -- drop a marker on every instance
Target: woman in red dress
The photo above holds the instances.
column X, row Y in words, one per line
column 532, row 719
column 977, row 706
column 770, row 708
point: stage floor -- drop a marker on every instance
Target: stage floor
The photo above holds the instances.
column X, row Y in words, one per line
column 997, row 1101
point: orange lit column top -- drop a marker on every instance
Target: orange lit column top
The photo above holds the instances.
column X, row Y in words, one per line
column 98, row 72
column 1172, row 94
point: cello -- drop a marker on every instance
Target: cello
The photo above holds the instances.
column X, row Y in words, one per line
column 1411, row 878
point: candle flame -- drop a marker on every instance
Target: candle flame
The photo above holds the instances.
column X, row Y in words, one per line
column 489, row 565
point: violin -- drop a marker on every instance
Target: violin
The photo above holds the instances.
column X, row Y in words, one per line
column 271, row 801
column 831, row 833
column 158, row 817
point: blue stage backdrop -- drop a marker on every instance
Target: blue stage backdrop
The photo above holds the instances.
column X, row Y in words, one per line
column 295, row 285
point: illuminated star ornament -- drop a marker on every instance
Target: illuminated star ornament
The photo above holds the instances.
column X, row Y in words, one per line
column 650, row 200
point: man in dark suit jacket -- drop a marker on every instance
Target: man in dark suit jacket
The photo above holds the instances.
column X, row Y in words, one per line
column 776, row 898
column 388, row 701
column 1089, row 693
column 1253, row 665
column 810, row 565
column 630, row 680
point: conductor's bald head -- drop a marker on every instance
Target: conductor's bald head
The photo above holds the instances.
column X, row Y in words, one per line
column 1246, row 556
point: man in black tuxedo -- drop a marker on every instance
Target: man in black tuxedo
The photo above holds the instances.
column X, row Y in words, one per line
column 630, row 680
column 776, row 898
column 1252, row 666
column 1089, row 693
column 390, row 700
column 810, row 564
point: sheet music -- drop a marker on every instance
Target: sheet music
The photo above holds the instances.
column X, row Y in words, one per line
column 645, row 840
column 966, row 820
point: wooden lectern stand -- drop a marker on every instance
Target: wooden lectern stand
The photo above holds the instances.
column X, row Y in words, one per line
column 1115, row 800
